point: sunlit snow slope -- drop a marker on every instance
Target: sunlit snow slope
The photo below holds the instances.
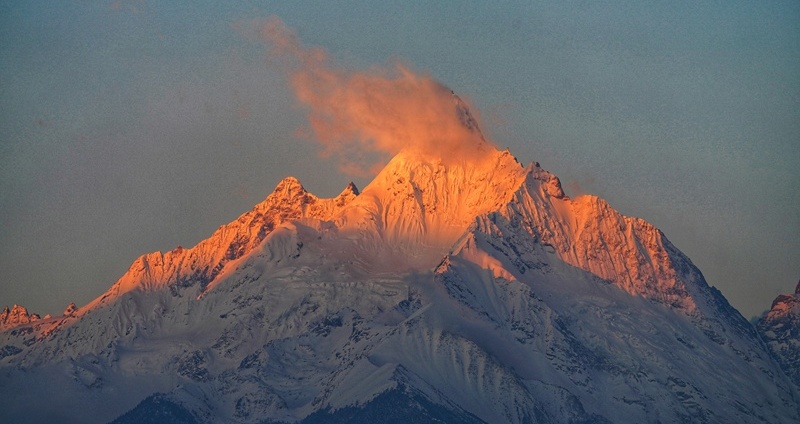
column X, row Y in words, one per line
column 472, row 291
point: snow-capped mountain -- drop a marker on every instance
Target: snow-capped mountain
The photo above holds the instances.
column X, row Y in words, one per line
column 780, row 328
column 461, row 291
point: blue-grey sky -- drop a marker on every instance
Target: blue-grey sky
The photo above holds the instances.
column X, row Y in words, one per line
column 133, row 126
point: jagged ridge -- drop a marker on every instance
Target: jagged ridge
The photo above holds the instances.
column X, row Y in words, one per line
column 541, row 308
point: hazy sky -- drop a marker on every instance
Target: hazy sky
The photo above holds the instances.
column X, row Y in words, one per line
column 131, row 126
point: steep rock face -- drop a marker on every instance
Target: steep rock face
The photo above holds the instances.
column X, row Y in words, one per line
column 780, row 328
column 606, row 348
column 587, row 233
column 542, row 308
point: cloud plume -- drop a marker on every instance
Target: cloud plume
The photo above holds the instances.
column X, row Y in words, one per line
column 369, row 115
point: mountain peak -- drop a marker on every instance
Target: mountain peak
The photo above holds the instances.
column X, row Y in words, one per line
column 350, row 189
column 346, row 196
column 290, row 187
column 423, row 200
column 203, row 263
column 15, row 316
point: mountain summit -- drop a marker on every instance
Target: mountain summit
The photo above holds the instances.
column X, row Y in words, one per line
column 469, row 290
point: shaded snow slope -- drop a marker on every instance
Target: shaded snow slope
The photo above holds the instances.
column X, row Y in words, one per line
column 475, row 291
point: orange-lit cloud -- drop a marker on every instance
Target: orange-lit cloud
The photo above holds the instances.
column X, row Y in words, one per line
column 359, row 116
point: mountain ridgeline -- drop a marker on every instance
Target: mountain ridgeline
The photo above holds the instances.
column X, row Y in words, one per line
column 460, row 291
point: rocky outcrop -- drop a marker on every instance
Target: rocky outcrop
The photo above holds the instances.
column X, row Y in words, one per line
column 780, row 328
column 15, row 316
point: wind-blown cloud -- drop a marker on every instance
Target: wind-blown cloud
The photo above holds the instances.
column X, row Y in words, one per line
column 358, row 115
